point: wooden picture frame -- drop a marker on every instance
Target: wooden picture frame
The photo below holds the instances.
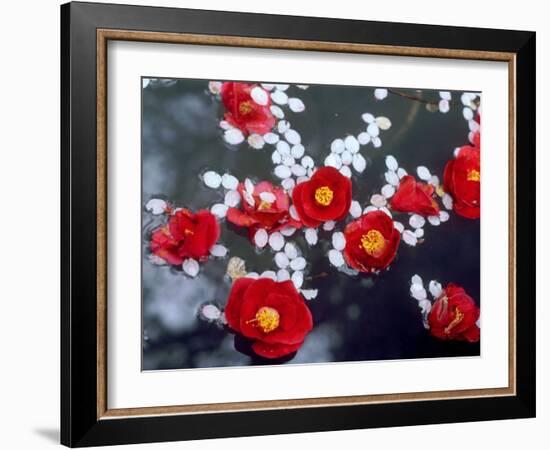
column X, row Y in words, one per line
column 86, row 418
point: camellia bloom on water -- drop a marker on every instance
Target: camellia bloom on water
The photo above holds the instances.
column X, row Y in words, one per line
column 326, row 196
column 454, row 315
column 263, row 206
column 186, row 235
column 243, row 110
column 271, row 314
column 415, row 197
column 461, row 180
column 371, row 242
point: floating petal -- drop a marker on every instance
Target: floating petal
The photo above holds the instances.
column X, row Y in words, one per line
column 190, row 267
column 212, row 179
column 156, row 206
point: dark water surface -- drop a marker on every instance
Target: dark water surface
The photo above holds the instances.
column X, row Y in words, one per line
column 355, row 318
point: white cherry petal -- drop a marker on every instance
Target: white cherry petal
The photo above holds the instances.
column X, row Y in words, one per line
column 309, row 294
column 282, row 87
column 276, row 157
column 288, row 231
column 296, row 105
column 443, row 216
column 383, row 123
column 268, row 86
column 283, row 126
column 214, row 87
column 409, row 238
column 212, row 179
column 267, row 196
column 416, row 279
column 398, row 226
column 434, row 220
column 279, row 97
column 229, row 181
column 376, row 142
column 281, row 260
column 352, row 144
column 259, row 95
column 307, row 162
column 260, row 238
column 391, row 163
column 233, row 136
column 380, row 93
column 363, row 138
column 249, row 198
column 337, row 146
column 419, row 232
column 298, row 170
column 288, row 160
column 345, row 170
column 329, row 225
column 333, row 160
column 219, row 210
column 291, row 251
column 293, row 213
column 190, row 267
column 276, row 241
column 254, row 275
column 292, row 136
column 435, row 288
column 420, row 294
column 386, row 211
column 269, row 274
column 156, row 260
column 297, row 151
column 283, row 275
column 373, row 130
column 359, row 163
column 445, row 95
column 277, row 111
column 298, row 279
column 355, row 209
column 283, row 148
column 311, row 236
column 249, row 186
column 444, row 106
column 468, row 113
column 434, row 180
column 423, row 173
column 225, row 125
column 336, row 258
column 256, row 141
column 378, row 200
column 338, row 240
column 271, row 138
column 391, row 178
column 387, row 190
column 303, row 179
column 456, row 151
column 210, row 312
column 417, row 221
column 218, row 250
column 401, row 172
column 298, row 263
column 346, row 157
column 288, row 183
column 232, row 198
column 156, row 206
column 369, row 209
column 368, row 118
column 282, row 172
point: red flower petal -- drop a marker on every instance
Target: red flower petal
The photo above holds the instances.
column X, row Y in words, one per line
column 414, row 197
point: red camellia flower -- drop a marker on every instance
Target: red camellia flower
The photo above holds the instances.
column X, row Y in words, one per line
column 461, row 179
column 266, row 206
column 454, row 315
column 243, row 112
column 186, row 235
column 272, row 314
column 371, row 242
column 326, row 196
column 415, row 197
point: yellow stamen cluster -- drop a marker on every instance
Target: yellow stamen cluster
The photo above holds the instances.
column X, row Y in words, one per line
column 473, row 175
column 459, row 315
column 267, row 319
column 264, row 205
column 245, row 108
column 372, row 242
column 324, row 195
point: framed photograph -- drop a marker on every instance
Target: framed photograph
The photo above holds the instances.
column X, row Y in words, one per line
column 276, row 224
